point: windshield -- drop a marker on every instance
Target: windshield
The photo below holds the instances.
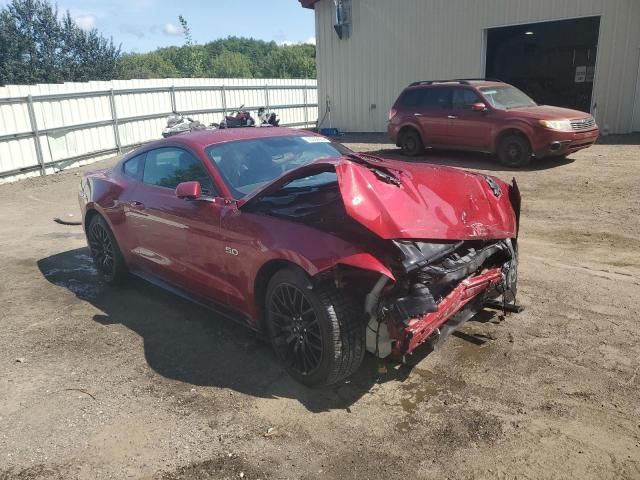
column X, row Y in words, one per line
column 246, row 165
column 505, row 98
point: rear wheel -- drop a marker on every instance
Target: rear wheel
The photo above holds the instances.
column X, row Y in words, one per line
column 316, row 331
column 411, row 143
column 514, row 151
column 105, row 251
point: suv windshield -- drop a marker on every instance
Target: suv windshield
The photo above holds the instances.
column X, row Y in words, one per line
column 246, row 165
column 507, row 97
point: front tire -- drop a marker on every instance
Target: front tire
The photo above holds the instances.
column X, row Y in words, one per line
column 105, row 252
column 514, row 151
column 316, row 331
column 411, row 143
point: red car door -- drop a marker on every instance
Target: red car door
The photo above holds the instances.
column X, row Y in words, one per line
column 172, row 233
column 122, row 218
column 207, row 247
column 433, row 115
column 469, row 128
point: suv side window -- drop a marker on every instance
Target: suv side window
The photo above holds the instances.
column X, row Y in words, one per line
column 412, row 98
column 167, row 167
column 463, row 98
column 438, row 98
column 132, row 167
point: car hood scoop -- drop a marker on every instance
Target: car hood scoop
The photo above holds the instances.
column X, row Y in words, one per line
column 398, row 200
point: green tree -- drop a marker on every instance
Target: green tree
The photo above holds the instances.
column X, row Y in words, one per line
column 294, row 61
column 84, row 55
column 255, row 50
column 231, row 65
column 193, row 54
column 37, row 47
column 232, row 57
column 150, row 65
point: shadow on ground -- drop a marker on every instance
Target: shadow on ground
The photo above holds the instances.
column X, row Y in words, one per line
column 449, row 158
column 186, row 342
column 471, row 160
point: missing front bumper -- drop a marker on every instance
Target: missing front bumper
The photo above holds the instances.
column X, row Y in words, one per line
column 462, row 303
column 418, row 330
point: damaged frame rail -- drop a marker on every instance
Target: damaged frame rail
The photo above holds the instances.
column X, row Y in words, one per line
column 404, row 340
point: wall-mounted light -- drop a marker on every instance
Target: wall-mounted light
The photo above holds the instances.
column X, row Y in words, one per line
column 343, row 18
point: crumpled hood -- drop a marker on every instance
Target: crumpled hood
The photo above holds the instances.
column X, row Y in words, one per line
column 430, row 202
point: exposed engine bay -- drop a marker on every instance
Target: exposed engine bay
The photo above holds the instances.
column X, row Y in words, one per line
column 437, row 279
column 318, row 206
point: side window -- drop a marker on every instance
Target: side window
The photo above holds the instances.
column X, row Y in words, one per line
column 133, row 166
column 438, row 98
column 411, row 98
column 463, row 98
column 167, row 167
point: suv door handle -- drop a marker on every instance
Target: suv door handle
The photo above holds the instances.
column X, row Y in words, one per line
column 136, row 205
column 452, row 117
column 417, row 114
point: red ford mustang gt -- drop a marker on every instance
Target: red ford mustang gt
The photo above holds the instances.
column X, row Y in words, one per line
column 327, row 251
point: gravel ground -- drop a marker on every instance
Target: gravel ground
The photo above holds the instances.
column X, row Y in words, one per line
column 134, row 382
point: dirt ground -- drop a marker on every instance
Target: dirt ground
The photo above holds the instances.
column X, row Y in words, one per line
column 100, row 383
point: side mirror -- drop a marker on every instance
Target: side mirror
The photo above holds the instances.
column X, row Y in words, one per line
column 189, row 190
column 479, row 107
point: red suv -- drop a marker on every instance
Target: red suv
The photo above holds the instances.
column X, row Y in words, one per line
column 486, row 116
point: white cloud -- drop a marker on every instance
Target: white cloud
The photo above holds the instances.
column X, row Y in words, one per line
column 288, row 43
column 85, row 22
column 171, row 29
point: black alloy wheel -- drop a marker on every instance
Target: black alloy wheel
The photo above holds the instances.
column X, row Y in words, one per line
column 317, row 330
column 105, row 252
column 296, row 333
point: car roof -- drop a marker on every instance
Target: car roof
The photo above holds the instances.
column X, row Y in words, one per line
column 205, row 138
column 457, row 83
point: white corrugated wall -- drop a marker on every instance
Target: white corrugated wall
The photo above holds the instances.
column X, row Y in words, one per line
column 20, row 153
column 635, row 122
column 396, row 42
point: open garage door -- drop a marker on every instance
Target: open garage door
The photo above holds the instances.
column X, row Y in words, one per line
column 553, row 62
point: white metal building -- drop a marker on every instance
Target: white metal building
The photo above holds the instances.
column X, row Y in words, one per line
column 583, row 54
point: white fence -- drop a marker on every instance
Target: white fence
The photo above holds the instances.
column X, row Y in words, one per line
column 47, row 128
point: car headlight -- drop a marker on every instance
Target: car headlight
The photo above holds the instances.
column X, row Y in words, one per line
column 559, row 125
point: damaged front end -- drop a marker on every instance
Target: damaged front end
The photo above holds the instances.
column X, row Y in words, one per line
column 437, row 244
column 438, row 285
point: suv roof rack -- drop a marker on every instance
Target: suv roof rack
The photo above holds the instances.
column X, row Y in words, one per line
column 478, row 80
column 461, row 81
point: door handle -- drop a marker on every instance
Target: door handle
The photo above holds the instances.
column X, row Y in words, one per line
column 452, row 117
column 136, row 205
column 417, row 114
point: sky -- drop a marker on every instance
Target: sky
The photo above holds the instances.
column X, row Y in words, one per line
column 144, row 25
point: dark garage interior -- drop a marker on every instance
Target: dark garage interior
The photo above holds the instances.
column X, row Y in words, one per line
column 553, row 62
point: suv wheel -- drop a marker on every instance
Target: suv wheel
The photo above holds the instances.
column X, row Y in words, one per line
column 411, row 143
column 514, row 151
column 316, row 330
